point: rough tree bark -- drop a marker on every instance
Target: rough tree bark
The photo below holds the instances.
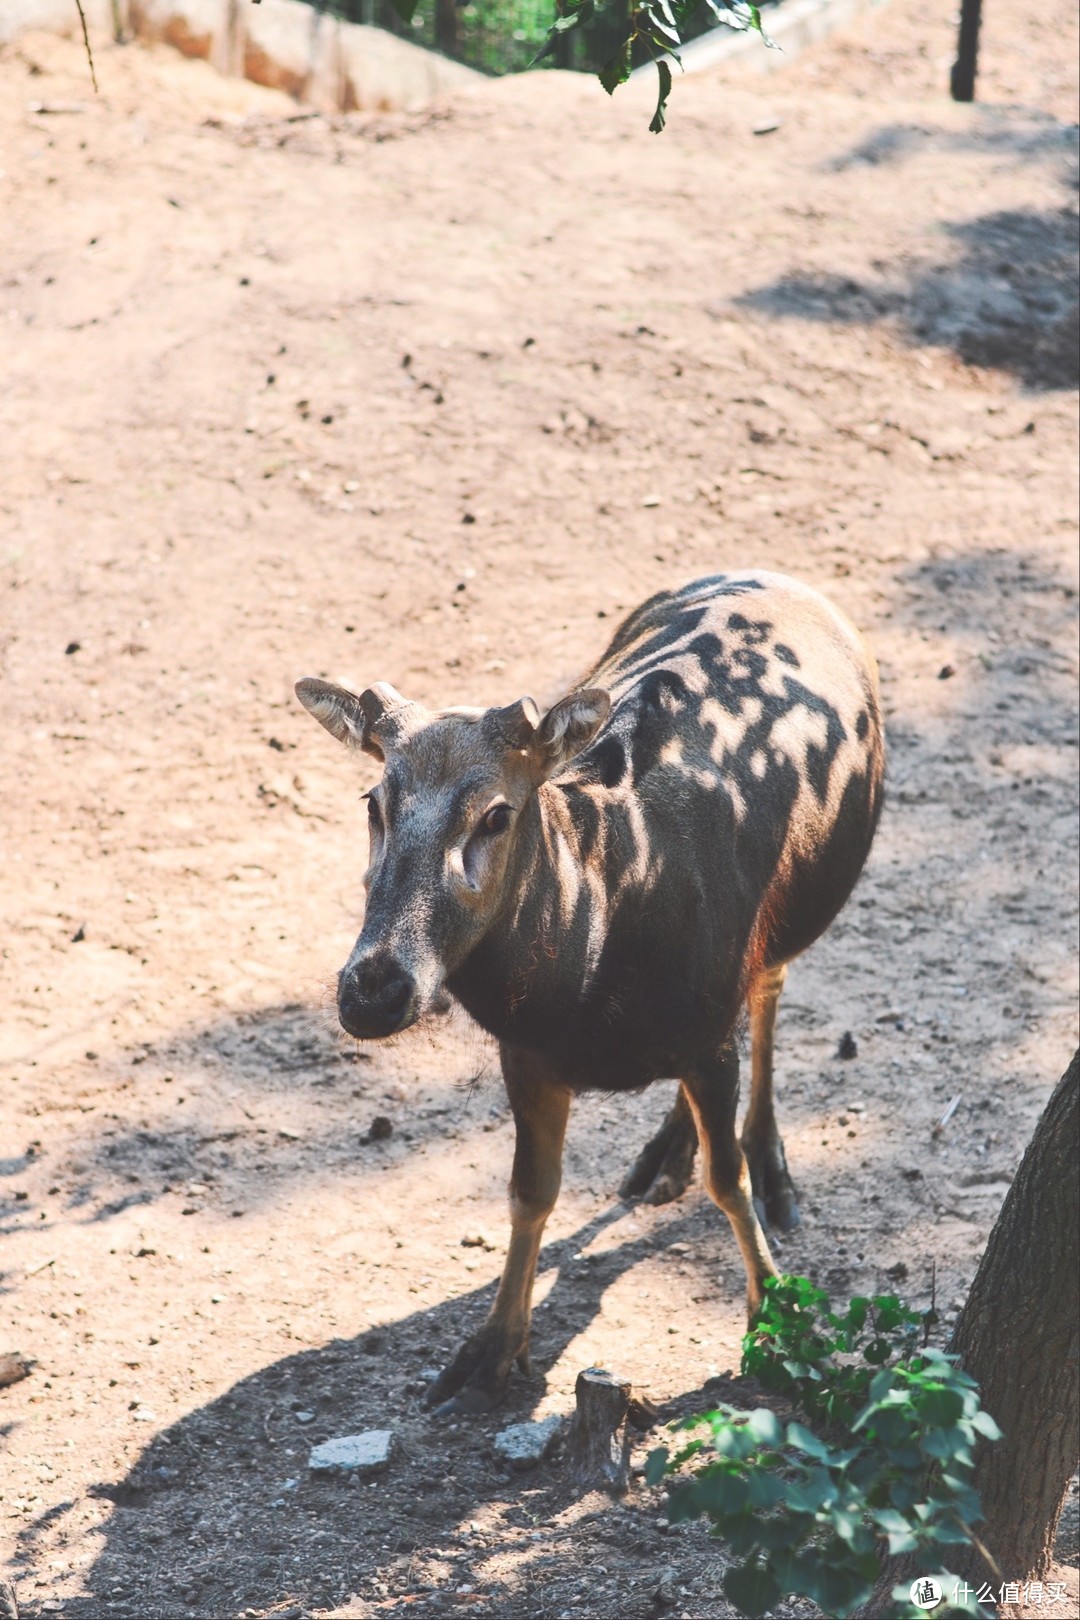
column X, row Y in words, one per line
column 1018, row 1336
column 446, row 26
column 598, row 1446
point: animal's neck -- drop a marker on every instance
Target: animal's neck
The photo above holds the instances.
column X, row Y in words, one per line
column 533, row 960
column 545, row 880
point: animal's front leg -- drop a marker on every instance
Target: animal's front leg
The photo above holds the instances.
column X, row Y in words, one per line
column 476, row 1379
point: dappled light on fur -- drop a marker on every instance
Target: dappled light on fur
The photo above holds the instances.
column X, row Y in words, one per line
column 602, row 888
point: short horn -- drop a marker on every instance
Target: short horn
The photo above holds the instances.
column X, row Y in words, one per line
column 517, row 722
column 381, row 700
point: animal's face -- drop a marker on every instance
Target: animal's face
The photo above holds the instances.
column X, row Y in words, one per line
column 443, row 824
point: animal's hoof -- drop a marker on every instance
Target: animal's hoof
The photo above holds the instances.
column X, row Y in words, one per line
column 783, row 1210
column 664, row 1168
column 475, row 1381
column 638, row 1181
column 467, row 1404
column 778, row 1210
column 776, row 1205
column 775, row 1202
column 668, row 1187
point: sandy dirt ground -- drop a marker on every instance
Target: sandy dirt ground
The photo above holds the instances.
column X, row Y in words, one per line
column 432, row 399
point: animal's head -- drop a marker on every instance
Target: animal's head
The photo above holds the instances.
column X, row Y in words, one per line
column 442, row 823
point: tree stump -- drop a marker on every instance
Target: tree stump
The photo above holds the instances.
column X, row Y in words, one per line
column 598, row 1446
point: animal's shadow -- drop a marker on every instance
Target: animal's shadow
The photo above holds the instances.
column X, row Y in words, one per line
column 220, row 1512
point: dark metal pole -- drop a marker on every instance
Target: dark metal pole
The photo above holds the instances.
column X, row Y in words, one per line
column 962, row 77
column 446, row 27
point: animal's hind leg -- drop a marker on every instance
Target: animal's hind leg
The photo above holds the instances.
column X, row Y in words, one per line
column 774, row 1193
column 664, row 1168
column 713, row 1095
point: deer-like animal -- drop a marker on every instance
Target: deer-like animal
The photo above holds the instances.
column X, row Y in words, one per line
column 603, row 888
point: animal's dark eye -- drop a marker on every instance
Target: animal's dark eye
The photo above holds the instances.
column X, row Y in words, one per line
column 374, row 815
column 497, row 819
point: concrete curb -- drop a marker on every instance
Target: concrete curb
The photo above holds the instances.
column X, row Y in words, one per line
column 793, row 26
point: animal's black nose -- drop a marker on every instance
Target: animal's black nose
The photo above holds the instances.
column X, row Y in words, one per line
column 374, row 997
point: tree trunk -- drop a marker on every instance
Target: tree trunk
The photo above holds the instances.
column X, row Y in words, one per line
column 446, row 26
column 1018, row 1336
column 962, row 76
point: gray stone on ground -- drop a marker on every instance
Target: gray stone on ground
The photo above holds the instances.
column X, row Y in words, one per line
column 665, row 1593
column 366, row 1453
column 523, row 1445
column 12, row 1368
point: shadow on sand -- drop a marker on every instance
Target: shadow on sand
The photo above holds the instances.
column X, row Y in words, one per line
column 220, row 1517
column 1005, row 297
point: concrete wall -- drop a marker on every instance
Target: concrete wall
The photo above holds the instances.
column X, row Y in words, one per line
column 322, row 62
column 54, row 16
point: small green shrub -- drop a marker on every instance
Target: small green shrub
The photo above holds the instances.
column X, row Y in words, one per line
column 823, row 1362
column 807, row 1516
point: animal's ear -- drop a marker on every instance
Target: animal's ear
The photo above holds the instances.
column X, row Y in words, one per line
column 568, row 728
column 352, row 720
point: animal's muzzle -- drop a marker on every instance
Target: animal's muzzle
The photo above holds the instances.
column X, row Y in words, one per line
column 375, row 997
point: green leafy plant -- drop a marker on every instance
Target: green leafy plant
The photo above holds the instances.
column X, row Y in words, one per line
column 656, row 26
column 823, row 1360
column 806, row 1515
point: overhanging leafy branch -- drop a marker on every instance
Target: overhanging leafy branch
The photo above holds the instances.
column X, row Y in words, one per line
column 659, row 26
column 656, row 29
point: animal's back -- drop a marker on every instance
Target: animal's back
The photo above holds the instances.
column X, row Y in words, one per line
column 746, row 723
column 737, row 638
